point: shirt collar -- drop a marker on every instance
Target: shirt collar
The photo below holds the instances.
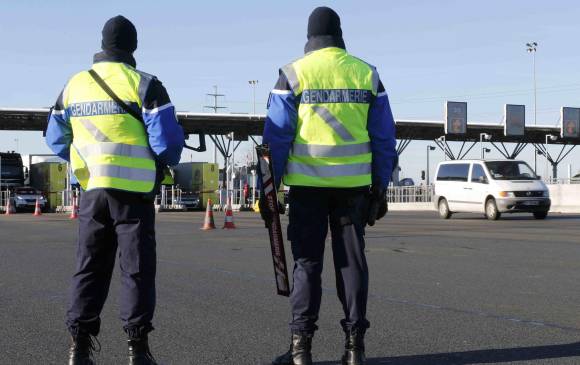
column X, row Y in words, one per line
column 323, row 41
column 115, row 56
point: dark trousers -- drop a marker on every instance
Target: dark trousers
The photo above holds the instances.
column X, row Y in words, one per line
column 311, row 212
column 110, row 219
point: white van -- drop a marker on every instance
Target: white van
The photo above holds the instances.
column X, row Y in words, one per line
column 491, row 187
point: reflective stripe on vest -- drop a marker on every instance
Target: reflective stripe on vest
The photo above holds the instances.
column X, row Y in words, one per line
column 328, row 170
column 118, row 149
column 121, row 172
column 331, row 120
column 315, row 150
column 292, row 78
column 94, row 131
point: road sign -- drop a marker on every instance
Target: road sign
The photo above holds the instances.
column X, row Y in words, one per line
column 570, row 122
column 514, row 120
column 455, row 117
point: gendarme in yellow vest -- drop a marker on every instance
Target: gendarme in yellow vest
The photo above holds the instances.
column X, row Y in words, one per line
column 110, row 148
column 332, row 145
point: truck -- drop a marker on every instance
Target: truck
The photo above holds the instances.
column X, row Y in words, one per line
column 51, row 178
column 198, row 182
column 12, row 172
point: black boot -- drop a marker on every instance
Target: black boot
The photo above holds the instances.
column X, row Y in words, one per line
column 299, row 353
column 139, row 353
column 81, row 350
column 354, row 353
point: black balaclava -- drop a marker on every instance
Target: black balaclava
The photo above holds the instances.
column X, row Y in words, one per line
column 323, row 30
column 119, row 34
column 119, row 41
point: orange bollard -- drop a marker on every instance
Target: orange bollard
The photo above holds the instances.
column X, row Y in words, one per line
column 208, row 223
column 8, row 208
column 37, row 210
column 229, row 222
column 75, row 208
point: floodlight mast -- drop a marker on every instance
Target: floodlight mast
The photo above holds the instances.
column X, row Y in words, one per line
column 253, row 83
column 531, row 48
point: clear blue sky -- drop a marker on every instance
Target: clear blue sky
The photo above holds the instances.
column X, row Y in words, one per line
column 426, row 52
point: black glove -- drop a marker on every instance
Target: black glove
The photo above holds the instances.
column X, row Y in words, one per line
column 378, row 206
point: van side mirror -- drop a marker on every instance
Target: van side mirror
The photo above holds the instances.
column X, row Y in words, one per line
column 538, row 177
column 483, row 179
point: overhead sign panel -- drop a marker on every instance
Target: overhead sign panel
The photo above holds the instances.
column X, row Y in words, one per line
column 570, row 122
column 455, row 117
column 514, row 120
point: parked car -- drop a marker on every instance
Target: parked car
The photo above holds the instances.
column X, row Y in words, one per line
column 491, row 187
column 575, row 179
column 190, row 200
column 24, row 198
column 407, row 182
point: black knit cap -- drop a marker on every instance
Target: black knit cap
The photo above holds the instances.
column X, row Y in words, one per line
column 119, row 34
column 324, row 21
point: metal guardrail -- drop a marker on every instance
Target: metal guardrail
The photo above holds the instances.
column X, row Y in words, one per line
column 169, row 199
column 3, row 199
column 410, row 194
column 237, row 196
column 67, row 200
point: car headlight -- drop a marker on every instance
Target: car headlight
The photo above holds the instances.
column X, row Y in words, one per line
column 546, row 194
column 19, row 198
column 507, row 194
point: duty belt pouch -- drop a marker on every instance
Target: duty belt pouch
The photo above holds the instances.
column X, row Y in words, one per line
column 159, row 175
column 356, row 204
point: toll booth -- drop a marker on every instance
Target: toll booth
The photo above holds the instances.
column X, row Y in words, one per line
column 199, row 177
column 51, row 179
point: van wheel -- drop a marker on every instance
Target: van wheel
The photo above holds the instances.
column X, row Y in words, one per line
column 444, row 209
column 540, row 215
column 491, row 211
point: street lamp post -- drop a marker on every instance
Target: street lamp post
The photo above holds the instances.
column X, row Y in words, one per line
column 551, row 137
column 486, row 150
column 429, row 148
column 483, row 136
column 531, row 48
column 254, row 83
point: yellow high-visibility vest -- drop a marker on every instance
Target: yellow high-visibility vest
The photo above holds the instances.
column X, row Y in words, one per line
column 110, row 148
column 332, row 145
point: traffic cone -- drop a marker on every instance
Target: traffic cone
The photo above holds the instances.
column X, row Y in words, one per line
column 8, row 207
column 37, row 210
column 229, row 222
column 208, row 223
column 75, row 208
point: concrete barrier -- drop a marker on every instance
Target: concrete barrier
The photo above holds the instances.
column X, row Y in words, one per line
column 410, row 206
column 565, row 198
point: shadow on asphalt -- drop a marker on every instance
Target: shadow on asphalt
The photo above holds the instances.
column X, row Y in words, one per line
column 507, row 217
column 491, row 356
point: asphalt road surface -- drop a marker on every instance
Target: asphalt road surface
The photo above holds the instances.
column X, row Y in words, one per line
column 461, row 291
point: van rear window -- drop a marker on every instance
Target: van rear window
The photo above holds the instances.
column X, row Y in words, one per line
column 453, row 172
